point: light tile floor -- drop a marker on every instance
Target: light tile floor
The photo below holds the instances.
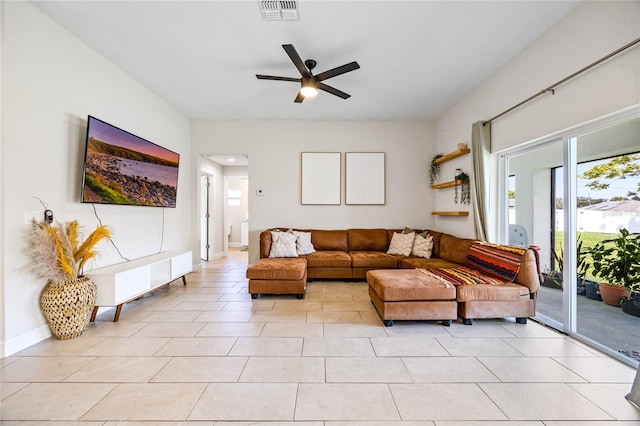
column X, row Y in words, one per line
column 207, row 354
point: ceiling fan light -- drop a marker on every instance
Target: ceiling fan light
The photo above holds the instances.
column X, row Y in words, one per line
column 308, row 91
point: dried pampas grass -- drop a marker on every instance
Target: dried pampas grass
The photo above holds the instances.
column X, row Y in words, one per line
column 44, row 253
column 56, row 251
column 87, row 250
column 71, row 229
column 63, row 250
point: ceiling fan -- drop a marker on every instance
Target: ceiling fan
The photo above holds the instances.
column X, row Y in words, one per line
column 309, row 83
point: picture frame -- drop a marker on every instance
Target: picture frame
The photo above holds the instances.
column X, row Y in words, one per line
column 365, row 181
column 320, row 178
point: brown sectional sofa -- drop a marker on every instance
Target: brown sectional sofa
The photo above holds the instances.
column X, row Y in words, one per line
column 349, row 254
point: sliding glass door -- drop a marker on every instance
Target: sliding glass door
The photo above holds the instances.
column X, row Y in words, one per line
column 567, row 194
column 531, row 214
column 607, row 201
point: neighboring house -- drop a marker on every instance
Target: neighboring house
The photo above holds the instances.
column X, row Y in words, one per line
column 610, row 217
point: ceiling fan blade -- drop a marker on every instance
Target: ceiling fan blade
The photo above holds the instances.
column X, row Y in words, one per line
column 351, row 66
column 273, row 77
column 295, row 58
column 333, row 91
column 299, row 98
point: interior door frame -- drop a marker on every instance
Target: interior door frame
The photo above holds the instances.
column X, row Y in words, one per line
column 205, row 232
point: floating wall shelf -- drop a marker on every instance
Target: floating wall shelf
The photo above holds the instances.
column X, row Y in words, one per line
column 447, row 184
column 450, row 156
column 447, row 157
column 450, row 213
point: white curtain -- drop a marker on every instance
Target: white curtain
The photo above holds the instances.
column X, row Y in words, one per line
column 480, row 150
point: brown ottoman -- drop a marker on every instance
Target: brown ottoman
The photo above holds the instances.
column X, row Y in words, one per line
column 410, row 294
column 278, row 276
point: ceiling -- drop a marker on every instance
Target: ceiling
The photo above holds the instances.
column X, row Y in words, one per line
column 230, row 160
column 417, row 58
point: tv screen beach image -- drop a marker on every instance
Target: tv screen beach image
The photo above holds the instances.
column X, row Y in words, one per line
column 121, row 168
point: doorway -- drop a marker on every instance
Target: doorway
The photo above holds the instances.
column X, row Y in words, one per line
column 236, row 211
column 229, row 203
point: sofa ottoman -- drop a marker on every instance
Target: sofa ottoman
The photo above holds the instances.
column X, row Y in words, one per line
column 410, row 294
column 278, row 276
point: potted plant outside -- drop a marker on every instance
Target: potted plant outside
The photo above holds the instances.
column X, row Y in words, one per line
column 582, row 266
column 617, row 262
column 631, row 304
column 553, row 277
column 58, row 255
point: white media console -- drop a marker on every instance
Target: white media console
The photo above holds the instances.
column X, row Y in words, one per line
column 124, row 282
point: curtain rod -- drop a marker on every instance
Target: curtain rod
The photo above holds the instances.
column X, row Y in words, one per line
column 552, row 88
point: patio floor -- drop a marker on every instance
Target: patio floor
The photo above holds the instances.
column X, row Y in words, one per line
column 597, row 321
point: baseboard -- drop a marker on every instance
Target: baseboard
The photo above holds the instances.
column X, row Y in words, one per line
column 220, row 255
column 23, row 341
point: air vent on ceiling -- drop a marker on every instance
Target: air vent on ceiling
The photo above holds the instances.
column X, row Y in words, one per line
column 277, row 10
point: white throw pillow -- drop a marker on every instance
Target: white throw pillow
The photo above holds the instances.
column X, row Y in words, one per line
column 422, row 246
column 283, row 244
column 401, row 243
column 303, row 242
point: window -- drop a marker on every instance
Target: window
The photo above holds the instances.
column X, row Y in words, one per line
column 233, row 197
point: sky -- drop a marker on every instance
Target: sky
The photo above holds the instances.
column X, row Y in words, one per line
column 114, row 136
column 618, row 187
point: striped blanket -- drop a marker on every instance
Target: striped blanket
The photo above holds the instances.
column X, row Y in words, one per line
column 460, row 276
column 497, row 261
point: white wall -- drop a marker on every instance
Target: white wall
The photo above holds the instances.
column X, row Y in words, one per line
column 274, row 149
column 51, row 81
column 591, row 31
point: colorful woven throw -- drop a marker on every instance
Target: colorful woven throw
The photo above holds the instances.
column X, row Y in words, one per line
column 502, row 262
column 461, row 276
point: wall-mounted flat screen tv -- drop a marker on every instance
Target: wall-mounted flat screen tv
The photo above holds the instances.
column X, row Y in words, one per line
column 122, row 168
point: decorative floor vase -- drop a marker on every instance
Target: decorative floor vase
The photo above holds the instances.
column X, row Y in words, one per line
column 67, row 306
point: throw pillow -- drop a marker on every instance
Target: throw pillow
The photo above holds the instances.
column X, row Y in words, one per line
column 401, row 244
column 422, row 245
column 407, row 230
column 303, row 242
column 283, row 244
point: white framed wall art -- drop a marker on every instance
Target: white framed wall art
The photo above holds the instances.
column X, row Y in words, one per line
column 365, row 178
column 320, row 178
